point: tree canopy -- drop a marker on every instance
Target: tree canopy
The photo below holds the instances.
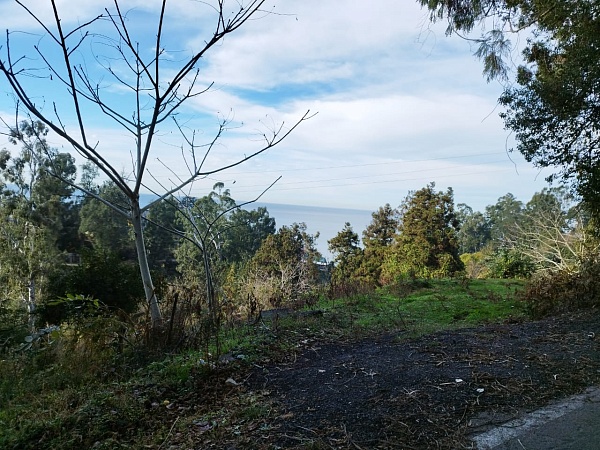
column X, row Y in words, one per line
column 426, row 244
column 552, row 107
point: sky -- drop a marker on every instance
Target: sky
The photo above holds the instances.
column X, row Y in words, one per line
column 395, row 104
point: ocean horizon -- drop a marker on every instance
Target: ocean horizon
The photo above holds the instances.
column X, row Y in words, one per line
column 328, row 222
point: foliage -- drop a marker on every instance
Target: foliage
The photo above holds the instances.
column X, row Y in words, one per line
column 510, row 263
column 426, row 244
column 346, row 252
column 502, row 217
column 378, row 237
column 475, row 229
column 476, row 264
column 215, row 224
column 36, row 213
column 101, row 275
column 161, row 238
column 103, row 227
column 553, row 235
column 563, row 291
column 553, row 106
column 554, row 110
column 217, row 238
column 283, row 270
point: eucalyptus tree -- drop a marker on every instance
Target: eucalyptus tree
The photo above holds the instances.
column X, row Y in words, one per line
column 35, row 208
column 213, row 232
column 474, row 233
column 65, row 73
column 502, row 217
column 552, row 105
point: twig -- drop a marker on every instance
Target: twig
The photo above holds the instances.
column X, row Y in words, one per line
column 169, row 433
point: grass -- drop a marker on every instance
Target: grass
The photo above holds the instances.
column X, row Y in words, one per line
column 52, row 398
column 422, row 308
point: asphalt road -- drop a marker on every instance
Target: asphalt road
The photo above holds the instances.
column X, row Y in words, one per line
column 571, row 424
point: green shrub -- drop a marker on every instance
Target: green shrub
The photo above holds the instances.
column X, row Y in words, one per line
column 510, row 263
column 100, row 275
column 475, row 265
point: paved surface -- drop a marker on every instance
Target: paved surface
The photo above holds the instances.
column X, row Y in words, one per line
column 572, row 424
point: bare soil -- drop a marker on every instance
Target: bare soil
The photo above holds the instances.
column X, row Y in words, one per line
column 431, row 392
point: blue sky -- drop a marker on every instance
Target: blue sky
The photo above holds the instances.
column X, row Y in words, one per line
column 399, row 104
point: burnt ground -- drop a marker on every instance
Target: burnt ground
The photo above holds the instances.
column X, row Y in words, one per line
column 430, row 392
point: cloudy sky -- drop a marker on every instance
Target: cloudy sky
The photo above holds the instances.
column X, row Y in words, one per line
column 398, row 104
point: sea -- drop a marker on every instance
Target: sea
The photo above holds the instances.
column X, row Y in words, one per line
column 328, row 222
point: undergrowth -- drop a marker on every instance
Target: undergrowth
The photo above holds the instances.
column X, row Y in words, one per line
column 91, row 385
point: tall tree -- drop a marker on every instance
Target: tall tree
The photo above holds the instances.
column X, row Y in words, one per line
column 345, row 248
column 502, row 217
column 553, row 107
column 427, row 242
column 377, row 239
column 474, row 233
column 34, row 210
column 87, row 60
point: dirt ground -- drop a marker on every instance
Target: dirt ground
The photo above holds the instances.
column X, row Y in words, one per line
column 425, row 393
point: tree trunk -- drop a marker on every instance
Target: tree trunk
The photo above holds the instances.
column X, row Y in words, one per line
column 136, row 219
column 31, row 304
column 213, row 307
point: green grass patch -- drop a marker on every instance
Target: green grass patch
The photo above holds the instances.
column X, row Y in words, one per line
column 425, row 307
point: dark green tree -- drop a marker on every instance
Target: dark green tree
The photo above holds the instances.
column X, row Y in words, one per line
column 283, row 270
column 247, row 229
column 347, row 254
column 377, row 239
column 427, row 242
column 553, row 107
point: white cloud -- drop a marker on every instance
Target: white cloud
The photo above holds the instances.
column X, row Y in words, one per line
column 399, row 104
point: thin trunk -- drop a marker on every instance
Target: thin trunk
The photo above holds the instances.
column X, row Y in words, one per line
column 31, row 296
column 31, row 305
column 136, row 219
column 210, row 289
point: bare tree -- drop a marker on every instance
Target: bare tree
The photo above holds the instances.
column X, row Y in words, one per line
column 552, row 242
column 155, row 85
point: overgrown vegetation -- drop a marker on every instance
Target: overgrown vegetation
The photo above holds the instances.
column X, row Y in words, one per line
column 93, row 383
column 83, row 366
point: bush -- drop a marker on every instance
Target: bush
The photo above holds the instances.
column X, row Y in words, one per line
column 100, row 275
column 510, row 263
column 558, row 292
column 475, row 265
